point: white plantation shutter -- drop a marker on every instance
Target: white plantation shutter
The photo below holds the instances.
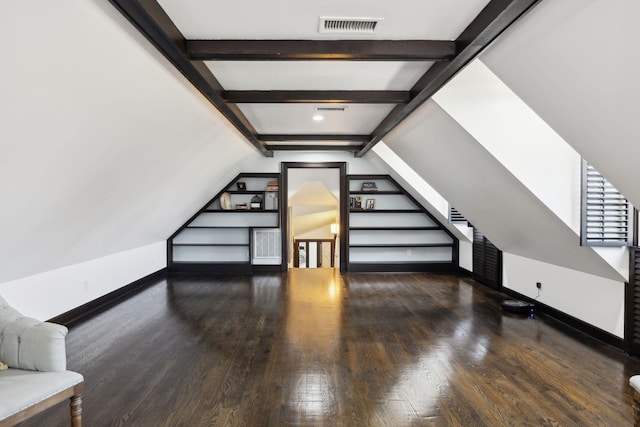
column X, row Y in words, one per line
column 606, row 214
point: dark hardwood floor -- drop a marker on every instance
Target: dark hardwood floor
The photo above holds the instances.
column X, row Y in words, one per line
column 312, row 347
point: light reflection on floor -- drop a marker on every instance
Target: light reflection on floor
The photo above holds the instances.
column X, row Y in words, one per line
column 314, row 311
column 313, row 328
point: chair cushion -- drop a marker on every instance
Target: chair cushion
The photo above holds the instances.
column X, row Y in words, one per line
column 27, row 343
column 20, row 389
column 634, row 381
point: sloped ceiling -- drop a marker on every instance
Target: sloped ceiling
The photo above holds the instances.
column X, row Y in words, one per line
column 318, row 222
column 314, row 207
column 460, row 169
column 104, row 146
column 593, row 105
column 313, row 193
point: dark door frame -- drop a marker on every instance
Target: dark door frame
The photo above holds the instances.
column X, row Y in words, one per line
column 284, row 218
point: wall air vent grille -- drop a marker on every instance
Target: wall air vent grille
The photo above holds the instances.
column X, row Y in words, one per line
column 455, row 216
column 349, row 25
column 267, row 243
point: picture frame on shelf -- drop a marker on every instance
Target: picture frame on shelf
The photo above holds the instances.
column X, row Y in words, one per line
column 242, row 186
column 370, row 204
column 357, row 204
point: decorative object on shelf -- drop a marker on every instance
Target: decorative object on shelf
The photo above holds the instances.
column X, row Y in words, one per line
column 225, row 201
column 388, row 230
column 357, row 203
column 233, row 232
column 272, row 186
column 352, row 202
column 256, row 203
column 272, row 200
column 370, row 204
column 369, row 186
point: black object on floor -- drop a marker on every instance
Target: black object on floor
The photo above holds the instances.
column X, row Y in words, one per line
column 516, row 306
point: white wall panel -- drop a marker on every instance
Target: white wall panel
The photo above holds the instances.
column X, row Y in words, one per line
column 105, row 147
column 595, row 300
column 576, row 63
column 54, row 292
column 496, row 202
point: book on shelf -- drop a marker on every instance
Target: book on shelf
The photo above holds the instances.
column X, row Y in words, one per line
column 369, row 186
column 242, row 207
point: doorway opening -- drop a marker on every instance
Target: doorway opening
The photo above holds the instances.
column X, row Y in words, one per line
column 312, row 214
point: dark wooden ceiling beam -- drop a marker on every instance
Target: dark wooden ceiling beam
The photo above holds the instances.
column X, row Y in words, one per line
column 314, row 137
column 310, row 50
column 317, row 96
column 315, row 147
column 152, row 21
column 496, row 17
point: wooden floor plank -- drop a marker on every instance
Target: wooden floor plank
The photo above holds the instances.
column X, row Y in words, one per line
column 316, row 348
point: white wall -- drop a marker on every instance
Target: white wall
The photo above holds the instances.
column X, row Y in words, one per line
column 355, row 165
column 593, row 299
column 490, row 197
column 576, row 63
column 538, row 244
column 105, row 147
column 465, row 255
column 522, row 142
column 415, row 185
column 54, row 292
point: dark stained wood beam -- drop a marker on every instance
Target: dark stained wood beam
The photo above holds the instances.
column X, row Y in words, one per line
column 315, row 147
column 317, row 96
column 496, row 17
column 152, row 21
column 309, row 50
column 316, row 137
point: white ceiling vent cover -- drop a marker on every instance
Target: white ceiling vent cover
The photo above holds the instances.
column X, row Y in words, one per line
column 349, row 25
column 339, row 108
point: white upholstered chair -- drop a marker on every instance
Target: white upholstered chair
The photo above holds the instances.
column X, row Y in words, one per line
column 37, row 378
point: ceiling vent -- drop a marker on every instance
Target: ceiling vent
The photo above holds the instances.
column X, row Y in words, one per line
column 336, row 108
column 349, row 25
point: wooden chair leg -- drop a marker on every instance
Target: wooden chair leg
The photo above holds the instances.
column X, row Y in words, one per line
column 636, row 409
column 76, row 410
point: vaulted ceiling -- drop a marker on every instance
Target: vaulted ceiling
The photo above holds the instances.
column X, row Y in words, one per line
column 331, row 75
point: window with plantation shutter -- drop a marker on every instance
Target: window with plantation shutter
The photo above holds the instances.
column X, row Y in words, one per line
column 606, row 214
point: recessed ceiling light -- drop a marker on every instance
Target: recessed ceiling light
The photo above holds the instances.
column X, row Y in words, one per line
column 318, row 117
